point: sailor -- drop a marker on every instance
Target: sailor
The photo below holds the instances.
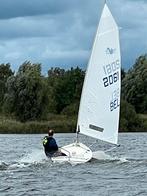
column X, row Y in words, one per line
column 50, row 145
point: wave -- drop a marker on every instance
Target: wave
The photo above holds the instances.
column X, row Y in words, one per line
column 37, row 158
column 3, row 166
column 102, row 156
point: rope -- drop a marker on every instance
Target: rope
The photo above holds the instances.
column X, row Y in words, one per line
column 93, row 143
column 118, row 145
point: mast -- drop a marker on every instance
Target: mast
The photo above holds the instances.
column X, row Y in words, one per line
column 77, row 134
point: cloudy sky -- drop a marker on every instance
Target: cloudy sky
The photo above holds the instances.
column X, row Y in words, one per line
column 61, row 32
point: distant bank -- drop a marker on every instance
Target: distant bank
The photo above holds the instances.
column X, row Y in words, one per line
column 60, row 123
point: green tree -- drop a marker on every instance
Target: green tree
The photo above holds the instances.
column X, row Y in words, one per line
column 129, row 119
column 134, row 85
column 123, row 74
column 55, row 75
column 75, row 78
column 65, row 89
column 26, row 93
column 5, row 73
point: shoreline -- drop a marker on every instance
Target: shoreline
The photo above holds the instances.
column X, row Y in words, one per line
column 60, row 123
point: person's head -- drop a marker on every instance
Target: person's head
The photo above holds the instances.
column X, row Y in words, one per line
column 50, row 132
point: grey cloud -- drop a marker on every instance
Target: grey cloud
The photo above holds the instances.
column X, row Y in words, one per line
column 61, row 32
column 19, row 8
column 74, row 20
column 133, row 20
column 52, row 54
column 28, row 27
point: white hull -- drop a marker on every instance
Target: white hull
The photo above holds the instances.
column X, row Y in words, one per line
column 76, row 153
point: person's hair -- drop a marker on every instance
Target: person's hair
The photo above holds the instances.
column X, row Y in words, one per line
column 50, row 132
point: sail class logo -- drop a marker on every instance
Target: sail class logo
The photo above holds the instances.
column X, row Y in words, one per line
column 110, row 50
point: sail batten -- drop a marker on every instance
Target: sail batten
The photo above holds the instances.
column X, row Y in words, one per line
column 100, row 100
column 100, row 34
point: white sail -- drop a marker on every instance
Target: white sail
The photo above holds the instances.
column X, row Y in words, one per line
column 100, row 101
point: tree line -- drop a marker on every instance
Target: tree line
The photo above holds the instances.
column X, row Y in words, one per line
column 28, row 95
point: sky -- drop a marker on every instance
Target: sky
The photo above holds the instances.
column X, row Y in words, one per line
column 61, row 32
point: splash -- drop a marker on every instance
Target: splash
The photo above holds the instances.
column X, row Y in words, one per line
column 101, row 155
column 33, row 158
column 123, row 160
column 36, row 156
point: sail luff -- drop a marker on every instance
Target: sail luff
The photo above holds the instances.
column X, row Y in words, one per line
column 78, row 126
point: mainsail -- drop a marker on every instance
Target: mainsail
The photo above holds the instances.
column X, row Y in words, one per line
column 100, row 101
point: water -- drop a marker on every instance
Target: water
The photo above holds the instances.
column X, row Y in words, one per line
column 24, row 169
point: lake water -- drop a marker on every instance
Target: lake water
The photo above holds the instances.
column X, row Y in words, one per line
column 24, row 169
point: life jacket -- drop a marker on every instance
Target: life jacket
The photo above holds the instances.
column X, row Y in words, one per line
column 49, row 144
column 44, row 141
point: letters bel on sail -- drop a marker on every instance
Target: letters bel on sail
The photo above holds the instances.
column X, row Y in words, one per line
column 100, row 101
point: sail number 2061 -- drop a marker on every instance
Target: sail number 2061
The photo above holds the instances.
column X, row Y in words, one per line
column 111, row 79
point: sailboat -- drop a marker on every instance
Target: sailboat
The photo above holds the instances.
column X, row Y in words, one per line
column 100, row 100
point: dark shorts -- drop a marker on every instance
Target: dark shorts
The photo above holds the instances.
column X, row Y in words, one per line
column 54, row 154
